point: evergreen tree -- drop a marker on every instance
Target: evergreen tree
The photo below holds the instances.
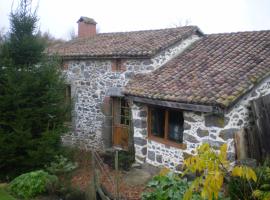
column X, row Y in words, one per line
column 32, row 105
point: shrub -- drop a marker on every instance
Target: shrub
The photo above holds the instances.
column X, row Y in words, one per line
column 239, row 188
column 61, row 165
column 262, row 191
column 167, row 187
column 31, row 184
column 213, row 167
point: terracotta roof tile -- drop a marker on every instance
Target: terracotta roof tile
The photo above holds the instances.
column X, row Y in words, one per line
column 123, row 44
column 215, row 70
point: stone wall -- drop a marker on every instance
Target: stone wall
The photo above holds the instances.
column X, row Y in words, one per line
column 148, row 65
column 90, row 81
column 139, row 117
column 198, row 128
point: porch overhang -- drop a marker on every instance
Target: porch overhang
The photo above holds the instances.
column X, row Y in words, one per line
column 178, row 105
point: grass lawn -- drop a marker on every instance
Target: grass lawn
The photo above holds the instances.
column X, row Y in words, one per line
column 4, row 195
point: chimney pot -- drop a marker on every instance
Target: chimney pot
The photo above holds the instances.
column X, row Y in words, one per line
column 86, row 27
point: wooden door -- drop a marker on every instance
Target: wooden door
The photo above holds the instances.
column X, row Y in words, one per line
column 121, row 123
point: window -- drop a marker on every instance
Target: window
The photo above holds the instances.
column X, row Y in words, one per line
column 117, row 65
column 166, row 125
column 64, row 65
column 121, row 111
column 67, row 102
column 125, row 112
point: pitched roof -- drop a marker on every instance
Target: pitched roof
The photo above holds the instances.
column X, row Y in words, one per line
column 123, row 44
column 215, row 70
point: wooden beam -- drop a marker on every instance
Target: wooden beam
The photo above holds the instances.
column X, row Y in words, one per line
column 170, row 104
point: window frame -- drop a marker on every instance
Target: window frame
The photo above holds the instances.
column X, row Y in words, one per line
column 165, row 140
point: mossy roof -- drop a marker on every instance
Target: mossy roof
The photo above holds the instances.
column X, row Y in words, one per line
column 143, row 44
column 215, row 70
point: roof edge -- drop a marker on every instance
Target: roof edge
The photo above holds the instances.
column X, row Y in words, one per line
column 85, row 57
column 247, row 91
column 197, row 32
column 178, row 105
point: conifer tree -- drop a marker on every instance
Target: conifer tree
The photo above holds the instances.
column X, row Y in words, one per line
column 32, row 105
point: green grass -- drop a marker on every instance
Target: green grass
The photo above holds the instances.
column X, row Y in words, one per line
column 4, row 195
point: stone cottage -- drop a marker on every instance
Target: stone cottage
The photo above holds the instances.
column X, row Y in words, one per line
column 169, row 89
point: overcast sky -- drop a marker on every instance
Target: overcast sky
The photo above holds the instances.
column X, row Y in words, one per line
column 212, row 16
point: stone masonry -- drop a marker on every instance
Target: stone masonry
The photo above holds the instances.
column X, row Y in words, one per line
column 198, row 128
column 90, row 81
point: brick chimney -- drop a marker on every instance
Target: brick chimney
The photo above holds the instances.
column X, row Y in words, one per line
column 86, row 27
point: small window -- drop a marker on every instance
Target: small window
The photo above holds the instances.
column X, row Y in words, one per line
column 67, row 94
column 125, row 112
column 64, row 65
column 166, row 124
column 121, row 111
column 118, row 65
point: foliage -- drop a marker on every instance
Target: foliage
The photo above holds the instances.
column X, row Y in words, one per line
column 213, row 168
column 262, row 191
column 2, row 35
column 167, row 187
column 31, row 184
column 48, row 39
column 239, row 188
column 25, row 47
column 31, row 98
column 61, row 165
column 244, row 172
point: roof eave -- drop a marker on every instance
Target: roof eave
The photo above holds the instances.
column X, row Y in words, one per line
column 88, row 57
column 179, row 105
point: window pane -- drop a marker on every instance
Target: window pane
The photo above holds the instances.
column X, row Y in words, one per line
column 176, row 128
column 125, row 112
column 157, row 122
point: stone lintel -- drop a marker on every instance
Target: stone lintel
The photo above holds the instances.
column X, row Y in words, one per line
column 114, row 92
